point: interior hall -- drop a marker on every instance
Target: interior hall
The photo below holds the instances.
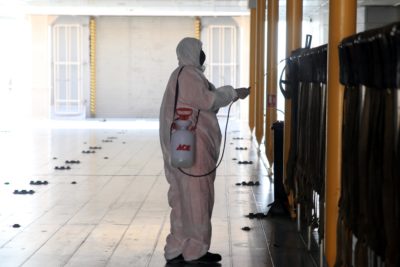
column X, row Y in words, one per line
column 302, row 131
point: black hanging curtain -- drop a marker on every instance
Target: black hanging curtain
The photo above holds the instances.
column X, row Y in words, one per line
column 369, row 206
column 306, row 87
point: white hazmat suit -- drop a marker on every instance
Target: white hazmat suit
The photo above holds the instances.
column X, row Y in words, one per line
column 192, row 199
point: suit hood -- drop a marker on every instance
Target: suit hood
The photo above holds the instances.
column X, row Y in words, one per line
column 188, row 52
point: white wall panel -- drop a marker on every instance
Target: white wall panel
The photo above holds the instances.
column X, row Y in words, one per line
column 135, row 56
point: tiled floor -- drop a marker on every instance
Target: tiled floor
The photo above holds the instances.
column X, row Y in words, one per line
column 111, row 208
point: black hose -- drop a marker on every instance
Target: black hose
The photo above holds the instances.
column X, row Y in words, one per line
column 222, row 155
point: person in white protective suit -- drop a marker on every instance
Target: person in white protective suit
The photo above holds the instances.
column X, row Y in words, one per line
column 192, row 199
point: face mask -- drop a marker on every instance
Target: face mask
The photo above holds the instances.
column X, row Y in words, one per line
column 202, row 58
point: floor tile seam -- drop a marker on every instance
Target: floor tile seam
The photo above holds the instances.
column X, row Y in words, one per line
column 11, row 214
column 28, row 225
column 97, row 224
column 51, row 236
column 121, row 194
column 135, row 154
column 307, row 251
column 157, row 238
column 53, row 185
column 65, row 223
column 144, row 144
column 227, row 198
column 80, row 245
column 131, row 221
column 128, row 159
column 263, row 230
column 151, row 156
column 265, row 162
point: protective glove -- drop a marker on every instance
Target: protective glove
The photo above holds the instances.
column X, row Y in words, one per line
column 242, row 92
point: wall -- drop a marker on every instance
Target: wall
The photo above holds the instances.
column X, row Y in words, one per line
column 41, row 73
column 244, row 63
column 378, row 16
column 40, row 67
column 135, row 56
column 15, row 70
column 324, row 26
column 83, row 21
column 242, row 24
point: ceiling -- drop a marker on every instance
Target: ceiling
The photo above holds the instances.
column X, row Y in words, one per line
column 159, row 7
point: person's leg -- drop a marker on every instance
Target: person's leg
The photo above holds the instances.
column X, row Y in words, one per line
column 197, row 200
column 173, row 247
column 192, row 201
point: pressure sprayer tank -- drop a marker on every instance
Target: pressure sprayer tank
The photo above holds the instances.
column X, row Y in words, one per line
column 182, row 140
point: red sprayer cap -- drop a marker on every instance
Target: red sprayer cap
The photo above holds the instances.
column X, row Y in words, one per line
column 184, row 113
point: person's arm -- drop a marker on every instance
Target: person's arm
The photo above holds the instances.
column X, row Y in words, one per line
column 194, row 90
column 197, row 92
column 224, row 95
column 239, row 93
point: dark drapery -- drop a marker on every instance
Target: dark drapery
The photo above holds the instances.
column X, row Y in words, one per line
column 306, row 87
column 369, row 205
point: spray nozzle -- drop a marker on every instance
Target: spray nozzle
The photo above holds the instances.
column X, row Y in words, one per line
column 184, row 113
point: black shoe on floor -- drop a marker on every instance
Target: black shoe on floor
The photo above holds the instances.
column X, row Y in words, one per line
column 208, row 258
column 177, row 259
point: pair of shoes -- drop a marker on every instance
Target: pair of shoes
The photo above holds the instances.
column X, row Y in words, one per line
column 177, row 259
column 207, row 258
